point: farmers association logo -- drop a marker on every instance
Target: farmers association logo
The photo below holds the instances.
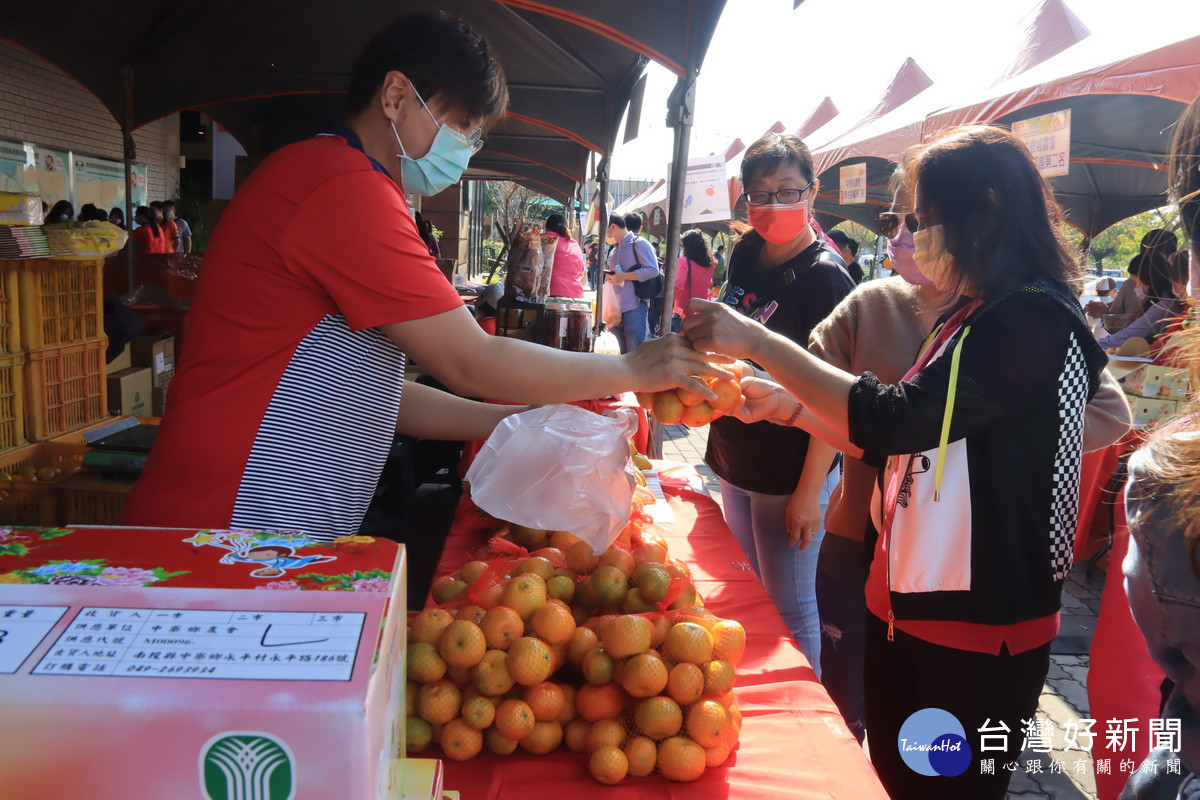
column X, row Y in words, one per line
column 933, row 742
column 241, row 765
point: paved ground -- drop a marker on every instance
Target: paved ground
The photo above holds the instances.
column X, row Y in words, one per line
column 1059, row 774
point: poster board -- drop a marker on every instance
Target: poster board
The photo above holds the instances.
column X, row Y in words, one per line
column 705, row 191
column 1048, row 138
column 101, row 181
column 54, row 178
column 852, row 184
column 18, row 168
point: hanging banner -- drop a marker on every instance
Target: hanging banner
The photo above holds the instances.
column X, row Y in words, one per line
column 101, row 182
column 852, row 184
column 53, row 175
column 18, row 168
column 1048, row 138
column 705, row 191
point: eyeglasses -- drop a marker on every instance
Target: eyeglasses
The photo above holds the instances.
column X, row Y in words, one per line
column 887, row 223
column 474, row 140
column 785, row 197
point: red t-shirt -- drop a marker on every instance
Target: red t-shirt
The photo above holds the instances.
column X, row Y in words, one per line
column 150, row 242
column 284, row 405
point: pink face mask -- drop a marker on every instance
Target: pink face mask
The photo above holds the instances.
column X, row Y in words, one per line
column 901, row 252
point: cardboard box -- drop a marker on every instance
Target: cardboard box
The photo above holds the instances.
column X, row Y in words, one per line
column 129, row 392
column 158, row 354
column 146, row 661
column 158, row 401
column 1150, row 412
column 123, row 361
column 1161, row 383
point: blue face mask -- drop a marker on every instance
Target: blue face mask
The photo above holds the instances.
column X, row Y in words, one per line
column 443, row 165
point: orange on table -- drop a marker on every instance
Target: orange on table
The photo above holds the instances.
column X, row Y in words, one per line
column 729, row 641
column 681, row 759
column 498, row 743
column 462, row 644
column 501, row 627
column 616, row 557
column 424, row 664
column 562, row 540
column 598, row 667
column 685, row 683
column 658, row 717
column 575, row 735
column 529, row 660
column 553, row 623
column 470, row 613
column 546, row 700
column 644, row 675
column 523, row 594
column 568, row 712
column 627, row 635
column 428, row 625
column 641, row 753
column 544, row 738
column 514, row 719
column 708, row 723
column 581, row 559
column 560, row 587
column 662, row 626
column 535, row 565
column 583, row 641
column 687, row 641
column 718, row 677
column 608, row 585
column 460, row 741
column 461, row 676
column 608, row 765
column 447, row 589
column 716, row 755
column 598, row 702
column 490, row 675
column 417, row 734
column 478, row 712
column 605, row 732
column 471, row 571
column 439, row 702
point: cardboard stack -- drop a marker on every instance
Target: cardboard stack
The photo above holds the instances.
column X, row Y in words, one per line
column 138, row 378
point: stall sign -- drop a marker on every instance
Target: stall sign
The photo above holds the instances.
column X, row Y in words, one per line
column 18, row 168
column 705, row 191
column 852, row 183
column 1048, row 138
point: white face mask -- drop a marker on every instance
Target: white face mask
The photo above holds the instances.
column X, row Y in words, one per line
column 1107, row 300
column 1140, row 292
column 932, row 258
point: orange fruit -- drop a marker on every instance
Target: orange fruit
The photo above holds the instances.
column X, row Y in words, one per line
column 658, row 717
column 471, row 613
column 634, row 603
column 605, row 732
column 461, row 676
column 498, row 743
column 410, row 697
column 580, row 558
column 460, row 741
column 608, row 765
column 546, row 700
column 478, row 712
column 438, row 702
column 523, row 594
column 598, row 702
column 645, row 399
column 608, row 586
column 700, row 414
column 544, row 738
column 553, row 623
column 718, row 677
column 688, row 396
column 598, row 667
column 514, row 719
column 662, row 626
column 716, row 755
column 490, row 675
column 529, row 538
column 568, row 710
column 641, row 753
column 708, row 723
column 529, row 661
column 644, row 675
column 668, row 409
column 428, row 625
column 560, row 587
column 501, row 627
column 424, row 663
column 651, row 579
column 729, row 641
column 616, row 557
column 687, row 641
column 735, row 715
column 447, row 589
column 685, row 683
column 417, row 734
column 627, row 635
column 558, row 657
column 575, row 735
column 562, row 540
column 471, row 571
column 652, row 553
column 681, row 759
column 729, row 395
column 536, row 565
column 462, row 644
column 583, row 641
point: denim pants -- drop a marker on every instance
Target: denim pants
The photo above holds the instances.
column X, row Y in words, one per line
column 632, row 330
column 841, row 602
column 759, row 523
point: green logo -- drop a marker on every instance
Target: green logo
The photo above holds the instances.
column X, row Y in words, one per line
column 242, row 765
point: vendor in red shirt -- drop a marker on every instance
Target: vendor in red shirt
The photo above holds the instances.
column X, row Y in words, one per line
column 316, row 285
column 148, row 237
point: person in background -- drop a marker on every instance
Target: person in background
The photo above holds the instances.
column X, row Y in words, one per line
column 719, row 273
column 1162, row 503
column 1106, row 293
column 89, row 213
column 632, row 260
column 169, row 229
column 62, row 211
column 776, row 482
column 693, row 274
column 486, row 306
column 184, row 242
column 148, row 236
column 654, row 312
column 117, row 217
column 849, row 251
column 566, row 279
column 593, row 260
column 1164, row 281
column 425, row 229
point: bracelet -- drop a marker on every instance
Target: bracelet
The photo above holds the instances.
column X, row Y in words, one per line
column 790, row 421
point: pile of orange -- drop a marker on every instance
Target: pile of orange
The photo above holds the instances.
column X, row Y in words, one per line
column 674, row 406
column 542, row 643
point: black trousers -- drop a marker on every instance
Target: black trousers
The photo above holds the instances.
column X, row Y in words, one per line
column 910, row 674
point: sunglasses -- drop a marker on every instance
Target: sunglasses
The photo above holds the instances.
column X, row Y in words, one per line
column 887, row 224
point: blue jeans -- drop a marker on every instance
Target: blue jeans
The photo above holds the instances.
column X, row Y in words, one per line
column 632, row 330
column 841, row 603
column 759, row 523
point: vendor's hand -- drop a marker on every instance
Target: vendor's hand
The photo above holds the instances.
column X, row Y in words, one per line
column 1096, row 309
column 667, row 363
column 717, row 328
column 764, row 400
column 803, row 516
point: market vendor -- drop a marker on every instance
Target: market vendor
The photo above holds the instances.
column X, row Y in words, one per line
column 316, row 285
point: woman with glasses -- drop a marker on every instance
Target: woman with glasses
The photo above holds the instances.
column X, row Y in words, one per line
column 317, row 285
column 982, row 439
column 775, row 484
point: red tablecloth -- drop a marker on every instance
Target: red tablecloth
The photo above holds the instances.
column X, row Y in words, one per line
column 793, row 744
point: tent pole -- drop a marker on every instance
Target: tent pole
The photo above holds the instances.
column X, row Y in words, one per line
column 129, row 153
column 602, row 232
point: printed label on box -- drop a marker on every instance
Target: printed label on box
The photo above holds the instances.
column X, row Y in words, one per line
column 22, row 629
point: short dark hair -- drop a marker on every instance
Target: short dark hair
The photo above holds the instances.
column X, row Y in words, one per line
column 773, row 151
column 617, row 220
column 633, row 222
column 1160, row 239
column 442, row 55
column 168, row 203
column 838, row 237
column 1154, row 269
column 557, row 223
column 720, row 247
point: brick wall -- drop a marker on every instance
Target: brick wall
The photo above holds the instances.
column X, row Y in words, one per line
column 43, row 105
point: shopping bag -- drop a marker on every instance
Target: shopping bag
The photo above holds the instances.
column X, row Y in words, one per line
column 612, row 305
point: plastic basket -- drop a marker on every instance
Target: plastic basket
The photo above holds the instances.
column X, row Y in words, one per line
column 34, row 500
column 65, row 388
column 87, row 499
column 62, row 301
column 10, row 311
column 12, row 401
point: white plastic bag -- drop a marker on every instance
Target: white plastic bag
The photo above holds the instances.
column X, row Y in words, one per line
column 558, row 468
column 606, row 343
column 612, row 305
